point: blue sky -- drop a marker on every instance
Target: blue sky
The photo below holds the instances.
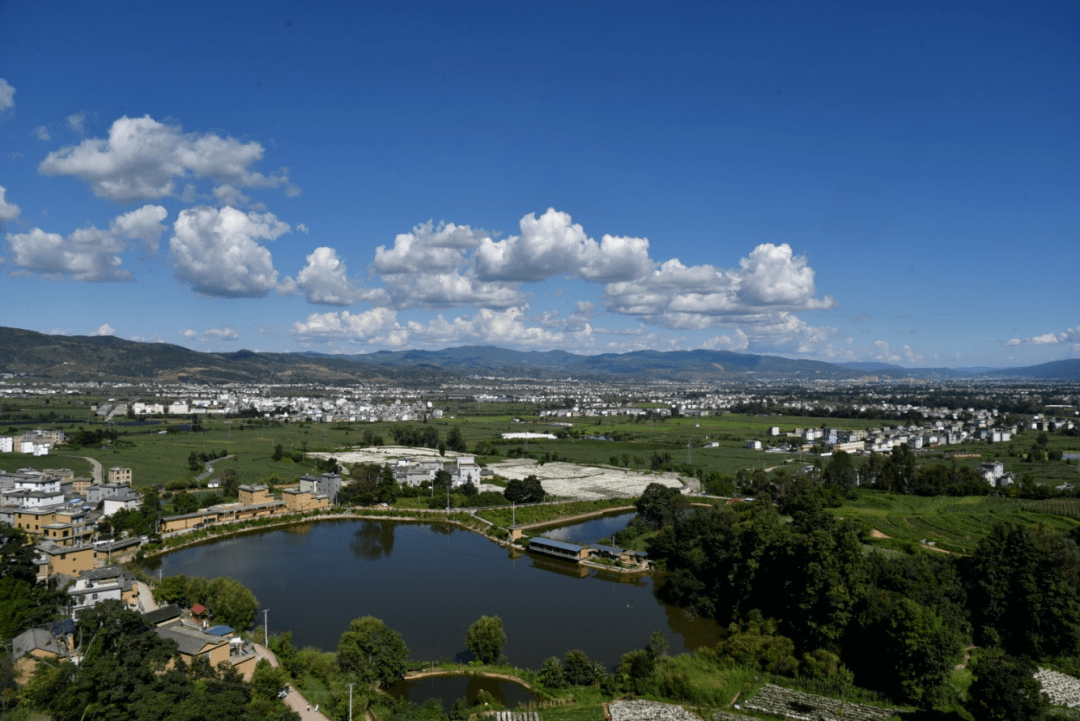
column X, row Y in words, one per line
column 845, row 181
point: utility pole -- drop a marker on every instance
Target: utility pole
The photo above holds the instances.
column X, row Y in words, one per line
column 266, row 627
column 350, row 701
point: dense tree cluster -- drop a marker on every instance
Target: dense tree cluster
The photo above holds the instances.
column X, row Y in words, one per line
column 227, row 600
column 805, row 589
column 424, row 436
column 129, row 673
column 527, row 490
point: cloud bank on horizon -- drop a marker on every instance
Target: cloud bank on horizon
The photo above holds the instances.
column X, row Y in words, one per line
column 768, row 228
column 218, row 250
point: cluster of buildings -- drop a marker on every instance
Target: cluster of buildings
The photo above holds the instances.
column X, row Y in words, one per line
column 35, row 443
column 190, row 628
column 462, row 470
column 255, row 501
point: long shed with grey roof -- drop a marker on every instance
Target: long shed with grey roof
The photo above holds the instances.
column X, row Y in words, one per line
column 559, row 549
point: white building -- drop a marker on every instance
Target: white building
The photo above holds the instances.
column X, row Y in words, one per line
column 7, row 444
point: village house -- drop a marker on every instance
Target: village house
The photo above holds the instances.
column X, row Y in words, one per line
column 53, row 560
column 328, row 484
column 53, row 643
column 103, row 584
column 128, row 499
column 249, row 494
column 298, row 501
column 118, row 474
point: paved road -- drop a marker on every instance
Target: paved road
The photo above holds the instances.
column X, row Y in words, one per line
column 97, row 467
column 146, row 598
column 208, row 465
column 294, row 700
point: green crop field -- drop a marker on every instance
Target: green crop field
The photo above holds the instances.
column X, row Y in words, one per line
column 951, row 523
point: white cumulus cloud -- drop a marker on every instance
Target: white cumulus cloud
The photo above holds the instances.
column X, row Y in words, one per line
column 431, row 268
column 188, row 333
column 1071, row 335
column 88, row 254
column 770, row 280
column 8, row 211
column 104, row 329
column 42, row 133
column 380, row 326
column 226, row 333
column 216, row 251
column 7, row 95
column 143, row 159
column 325, row 280
column 554, row 245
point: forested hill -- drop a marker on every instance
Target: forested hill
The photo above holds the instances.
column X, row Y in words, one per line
column 39, row 356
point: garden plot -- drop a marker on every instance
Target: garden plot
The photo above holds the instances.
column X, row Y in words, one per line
column 787, row 703
column 1063, row 690
column 585, row 483
column 648, row 711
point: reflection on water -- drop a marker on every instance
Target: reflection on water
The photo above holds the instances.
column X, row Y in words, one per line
column 447, row 689
column 373, row 540
column 554, row 565
column 430, row 585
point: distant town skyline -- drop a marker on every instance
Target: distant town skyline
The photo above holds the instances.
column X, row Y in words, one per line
column 831, row 181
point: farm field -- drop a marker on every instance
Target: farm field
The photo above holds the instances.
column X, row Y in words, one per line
column 158, row 458
column 954, row 524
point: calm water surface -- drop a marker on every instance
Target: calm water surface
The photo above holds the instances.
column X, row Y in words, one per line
column 447, row 689
column 590, row 531
column 430, row 582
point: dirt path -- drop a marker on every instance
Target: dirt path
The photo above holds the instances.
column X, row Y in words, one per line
column 875, row 533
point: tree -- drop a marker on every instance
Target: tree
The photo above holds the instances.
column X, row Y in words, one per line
column 840, row 473
column 660, row 505
column 374, row 652
column 551, row 674
column 658, row 645
column 1024, row 591
column 279, row 451
column 1005, row 688
column 528, row 490
column 579, row 670
column 443, row 480
column 231, row 603
column 455, row 441
column 486, row 639
column 387, row 485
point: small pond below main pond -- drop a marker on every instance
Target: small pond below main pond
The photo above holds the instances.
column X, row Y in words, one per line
column 590, row 531
column 430, row 582
column 447, row 689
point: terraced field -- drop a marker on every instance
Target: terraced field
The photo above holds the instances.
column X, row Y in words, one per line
column 950, row 523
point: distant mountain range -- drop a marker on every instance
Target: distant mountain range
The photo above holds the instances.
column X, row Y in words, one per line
column 81, row 358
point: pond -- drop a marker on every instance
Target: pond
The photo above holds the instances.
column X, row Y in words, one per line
column 447, row 689
column 590, row 531
column 430, row 582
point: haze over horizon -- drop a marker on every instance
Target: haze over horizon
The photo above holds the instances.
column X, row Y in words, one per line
column 836, row 182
